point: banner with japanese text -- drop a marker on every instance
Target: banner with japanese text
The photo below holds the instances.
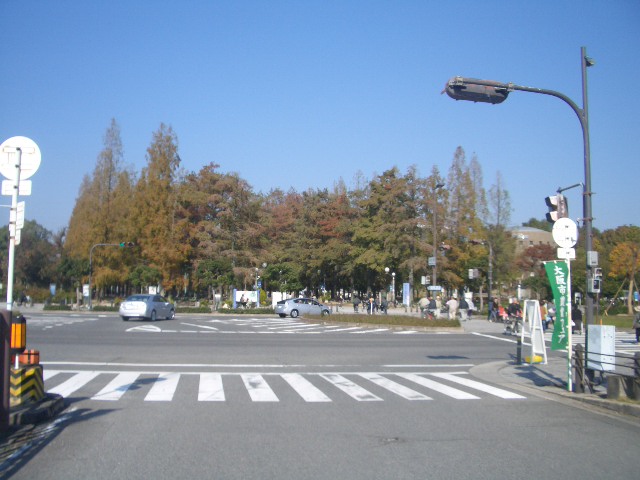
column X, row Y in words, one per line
column 558, row 274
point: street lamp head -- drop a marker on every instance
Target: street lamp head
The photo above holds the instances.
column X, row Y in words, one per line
column 386, row 269
column 460, row 88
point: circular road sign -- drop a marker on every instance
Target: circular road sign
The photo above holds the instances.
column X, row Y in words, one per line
column 565, row 232
column 29, row 162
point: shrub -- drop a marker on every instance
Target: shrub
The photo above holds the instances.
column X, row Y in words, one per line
column 54, row 307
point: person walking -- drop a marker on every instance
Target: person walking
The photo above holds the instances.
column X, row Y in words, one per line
column 452, row 305
column 636, row 323
column 464, row 308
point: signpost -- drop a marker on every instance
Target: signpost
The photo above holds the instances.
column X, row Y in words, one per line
column 565, row 234
column 19, row 159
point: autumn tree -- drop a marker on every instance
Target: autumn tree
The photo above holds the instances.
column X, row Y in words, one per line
column 625, row 259
column 221, row 216
column 462, row 221
column 100, row 212
column 159, row 233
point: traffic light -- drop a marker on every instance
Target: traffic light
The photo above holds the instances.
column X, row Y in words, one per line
column 558, row 207
column 464, row 89
column 596, row 281
column 126, row 244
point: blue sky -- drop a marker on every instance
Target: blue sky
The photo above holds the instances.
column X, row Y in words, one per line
column 303, row 93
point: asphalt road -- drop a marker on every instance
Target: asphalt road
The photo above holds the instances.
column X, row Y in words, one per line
column 269, row 398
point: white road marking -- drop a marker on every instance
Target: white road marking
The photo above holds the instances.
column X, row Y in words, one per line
column 259, row 390
column 211, row 389
column 483, row 387
column 117, row 387
column 308, row 391
column 347, row 386
column 163, row 388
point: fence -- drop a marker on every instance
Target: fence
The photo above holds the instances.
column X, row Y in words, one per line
column 620, row 372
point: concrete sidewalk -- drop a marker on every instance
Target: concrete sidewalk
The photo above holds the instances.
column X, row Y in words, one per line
column 549, row 380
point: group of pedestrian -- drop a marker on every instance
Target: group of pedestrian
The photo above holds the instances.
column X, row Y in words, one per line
column 371, row 306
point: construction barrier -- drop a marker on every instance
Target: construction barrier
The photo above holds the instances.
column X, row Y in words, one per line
column 18, row 334
column 29, row 357
column 27, row 385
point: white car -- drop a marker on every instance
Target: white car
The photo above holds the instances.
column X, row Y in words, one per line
column 301, row 306
column 147, row 306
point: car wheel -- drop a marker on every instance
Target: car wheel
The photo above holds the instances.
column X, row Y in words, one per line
column 154, row 316
column 325, row 312
column 282, row 315
column 172, row 315
column 294, row 313
column 126, row 319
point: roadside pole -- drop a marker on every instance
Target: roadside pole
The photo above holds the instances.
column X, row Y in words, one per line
column 19, row 159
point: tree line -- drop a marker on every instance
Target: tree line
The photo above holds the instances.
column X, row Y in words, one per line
column 196, row 233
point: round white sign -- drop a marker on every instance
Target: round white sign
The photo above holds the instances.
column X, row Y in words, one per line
column 29, row 160
column 565, row 232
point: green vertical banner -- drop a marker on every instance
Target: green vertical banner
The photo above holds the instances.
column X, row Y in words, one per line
column 558, row 274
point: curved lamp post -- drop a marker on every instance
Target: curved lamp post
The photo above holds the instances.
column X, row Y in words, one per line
column 489, row 91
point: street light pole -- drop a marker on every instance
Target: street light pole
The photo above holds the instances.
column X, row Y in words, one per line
column 435, row 233
column 489, row 91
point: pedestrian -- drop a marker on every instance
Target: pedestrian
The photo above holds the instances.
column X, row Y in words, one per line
column 472, row 307
column 384, row 305
column 452, row 305
column 438, row 306
column 464, row 308
column 576, row 318
column 243, row 301
column 636, row 323
column 371, row 304
column 514, row 310
column 432, row 307
column 423, row 303
column 356, row 303
column 543, row 314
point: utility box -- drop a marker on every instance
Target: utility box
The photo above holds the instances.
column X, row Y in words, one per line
column 602, row 347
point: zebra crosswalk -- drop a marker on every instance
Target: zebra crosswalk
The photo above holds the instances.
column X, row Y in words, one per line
column 310, row 387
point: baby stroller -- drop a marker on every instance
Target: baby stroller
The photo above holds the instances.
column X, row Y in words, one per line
column 512, row 325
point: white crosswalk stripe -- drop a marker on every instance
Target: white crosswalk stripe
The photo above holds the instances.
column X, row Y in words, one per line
column 311, row 387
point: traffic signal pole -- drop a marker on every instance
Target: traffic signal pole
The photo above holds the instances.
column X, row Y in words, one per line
column 489, row 91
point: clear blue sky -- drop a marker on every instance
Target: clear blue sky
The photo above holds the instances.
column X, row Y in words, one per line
column 302, row 93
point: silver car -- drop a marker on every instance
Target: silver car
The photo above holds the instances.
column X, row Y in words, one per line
column 300, row 306
column 147, row 306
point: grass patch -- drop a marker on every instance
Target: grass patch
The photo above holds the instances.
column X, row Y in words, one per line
column 618, row 321
column 393, row 320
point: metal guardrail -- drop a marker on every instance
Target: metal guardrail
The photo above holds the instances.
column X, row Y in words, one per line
column 621, row 371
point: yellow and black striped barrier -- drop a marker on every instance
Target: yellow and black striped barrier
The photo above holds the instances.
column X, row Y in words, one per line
column 27, row 385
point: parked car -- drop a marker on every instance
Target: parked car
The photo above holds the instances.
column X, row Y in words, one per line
column 301, row 306
column 147, row 306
